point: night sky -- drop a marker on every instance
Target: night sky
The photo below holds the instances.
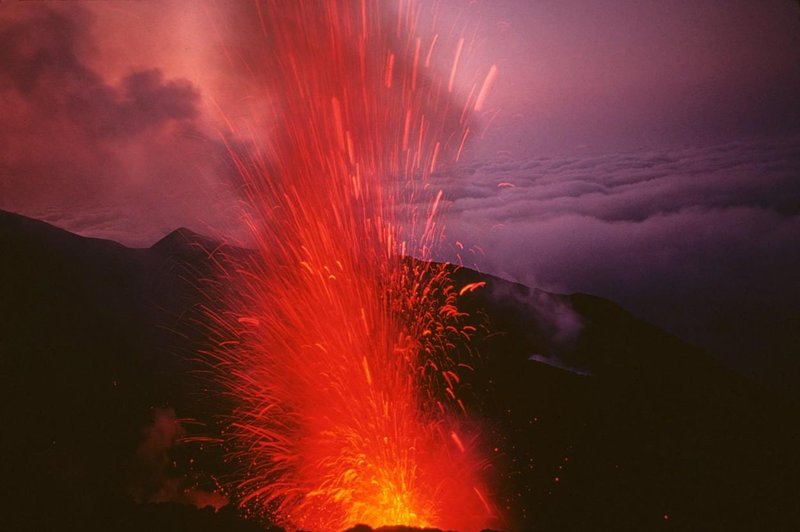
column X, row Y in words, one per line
column 644, row 151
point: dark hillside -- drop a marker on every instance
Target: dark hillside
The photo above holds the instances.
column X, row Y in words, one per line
column 600, row 421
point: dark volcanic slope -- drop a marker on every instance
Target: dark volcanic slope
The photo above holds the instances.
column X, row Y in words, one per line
column 614, row 425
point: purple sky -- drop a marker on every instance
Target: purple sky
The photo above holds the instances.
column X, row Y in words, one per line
column 626, row 74
column 652, row 146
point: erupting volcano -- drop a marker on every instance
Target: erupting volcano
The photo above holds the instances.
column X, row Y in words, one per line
column 340, row 350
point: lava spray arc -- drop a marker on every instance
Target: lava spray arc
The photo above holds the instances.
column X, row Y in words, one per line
column 343, row 367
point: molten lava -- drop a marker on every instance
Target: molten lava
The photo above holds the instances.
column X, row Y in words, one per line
column 343, row 367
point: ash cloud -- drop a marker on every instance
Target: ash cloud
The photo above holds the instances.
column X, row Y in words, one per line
column 552, row 317
column 701, row 240
column 73, row 142
column 154, row 477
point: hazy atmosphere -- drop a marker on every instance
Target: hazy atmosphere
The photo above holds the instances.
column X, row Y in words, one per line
column 640, row 150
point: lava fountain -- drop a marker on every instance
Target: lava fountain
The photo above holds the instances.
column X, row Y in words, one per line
column 343, row 365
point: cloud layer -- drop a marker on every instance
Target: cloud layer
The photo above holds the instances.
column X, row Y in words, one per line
column 702, row 241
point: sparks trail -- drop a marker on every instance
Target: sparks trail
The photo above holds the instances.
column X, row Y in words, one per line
column 343, row 368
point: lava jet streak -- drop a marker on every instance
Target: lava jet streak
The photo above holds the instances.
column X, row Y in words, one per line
column 343, row 368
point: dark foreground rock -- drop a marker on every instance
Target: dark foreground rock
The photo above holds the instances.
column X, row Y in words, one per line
column 594, row 419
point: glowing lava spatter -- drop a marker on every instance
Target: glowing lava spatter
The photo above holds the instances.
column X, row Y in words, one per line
column 342, row 368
